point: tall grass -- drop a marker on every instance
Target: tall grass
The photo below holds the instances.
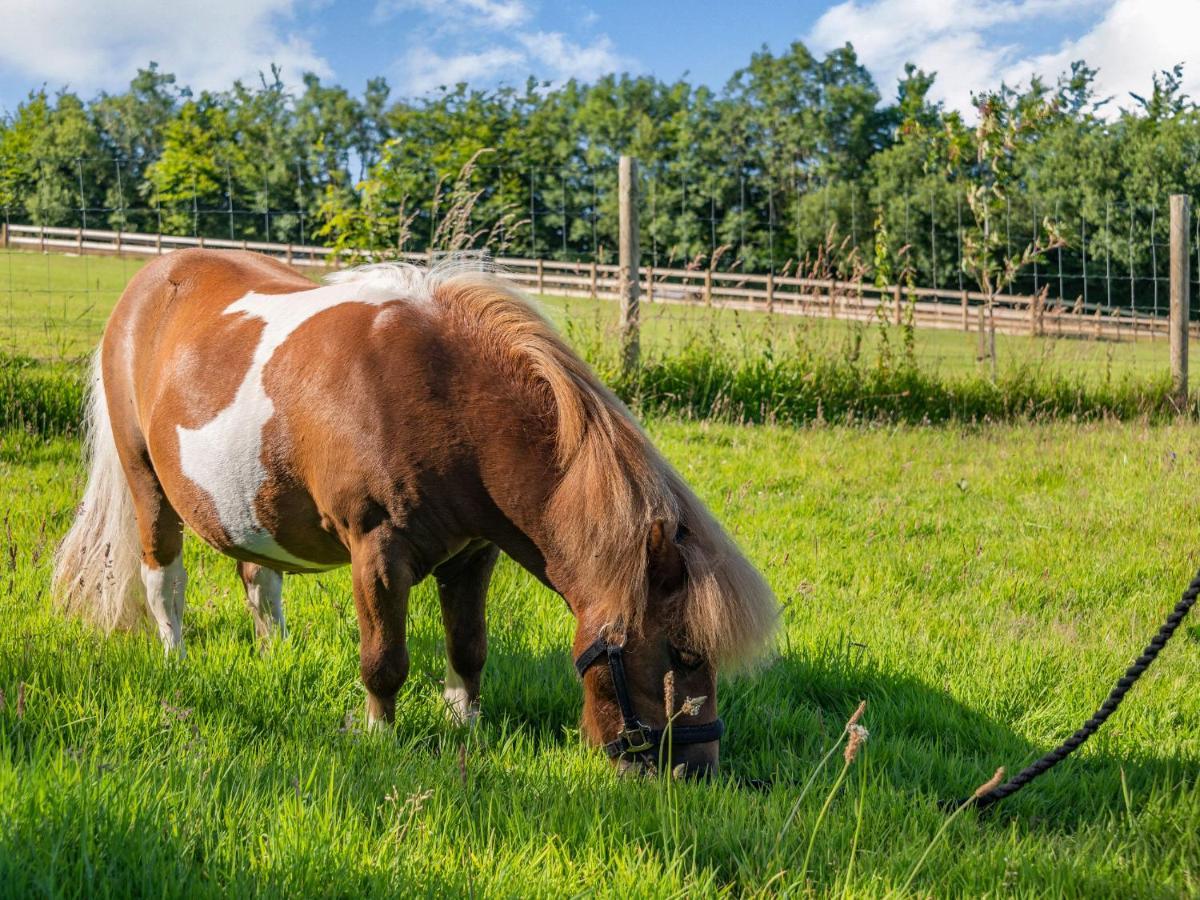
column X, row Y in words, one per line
column 791, row 379
column 763, row 379
column 41, row 398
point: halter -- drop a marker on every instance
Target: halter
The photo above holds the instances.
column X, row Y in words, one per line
column 636, row 738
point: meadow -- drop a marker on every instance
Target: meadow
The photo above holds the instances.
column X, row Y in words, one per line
column 979, row 584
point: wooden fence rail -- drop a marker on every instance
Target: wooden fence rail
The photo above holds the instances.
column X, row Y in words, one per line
column 822, row 298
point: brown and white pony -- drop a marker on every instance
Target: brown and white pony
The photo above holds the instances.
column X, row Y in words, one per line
column 405, row 422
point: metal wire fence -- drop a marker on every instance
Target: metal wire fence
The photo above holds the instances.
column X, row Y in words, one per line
column 1115, row 257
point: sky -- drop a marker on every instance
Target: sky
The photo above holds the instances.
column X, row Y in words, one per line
column 97, row 45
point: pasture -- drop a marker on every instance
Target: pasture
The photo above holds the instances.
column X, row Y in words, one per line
column 980, row 586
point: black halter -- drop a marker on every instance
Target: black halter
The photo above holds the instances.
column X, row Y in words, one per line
column 635, row 738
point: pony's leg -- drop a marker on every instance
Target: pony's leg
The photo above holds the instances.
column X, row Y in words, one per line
column 264, row 596
column 462, row 586
column 382, row 579
column 161, row 532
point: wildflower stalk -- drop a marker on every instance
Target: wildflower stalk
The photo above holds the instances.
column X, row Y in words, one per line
column 984, row 788
column 857, row 737
column 858, row 820
column 813, row 776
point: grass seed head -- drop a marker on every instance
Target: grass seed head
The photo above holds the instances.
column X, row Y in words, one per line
column 858, row 737
column 858, row 713
column 990, row 785
column 691, row 705
column 669, row 692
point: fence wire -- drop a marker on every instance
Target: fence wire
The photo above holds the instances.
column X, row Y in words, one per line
column 1115, row 256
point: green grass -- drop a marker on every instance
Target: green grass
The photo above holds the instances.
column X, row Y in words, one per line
column 981, row 587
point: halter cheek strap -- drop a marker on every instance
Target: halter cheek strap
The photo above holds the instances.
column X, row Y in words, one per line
column 635, row 738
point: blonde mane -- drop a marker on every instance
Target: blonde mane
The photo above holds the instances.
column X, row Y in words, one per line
column 605, row 464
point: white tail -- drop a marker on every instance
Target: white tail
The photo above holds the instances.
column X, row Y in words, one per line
column 97, row 569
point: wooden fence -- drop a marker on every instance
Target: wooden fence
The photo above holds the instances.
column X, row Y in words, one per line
column 821, row 298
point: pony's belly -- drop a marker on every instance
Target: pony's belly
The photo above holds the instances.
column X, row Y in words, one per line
column 223, row 460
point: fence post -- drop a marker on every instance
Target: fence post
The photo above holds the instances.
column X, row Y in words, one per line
column 541, row 276
column 966, row 305
column 628, row 258
column 770, row 292
column 896, row 303
column 593, row 279
column 4, row 235
column 1180, row 276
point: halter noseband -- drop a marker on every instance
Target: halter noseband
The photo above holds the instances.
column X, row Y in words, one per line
column 635, row 738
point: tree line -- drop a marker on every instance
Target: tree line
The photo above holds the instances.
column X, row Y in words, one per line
column 800, row 160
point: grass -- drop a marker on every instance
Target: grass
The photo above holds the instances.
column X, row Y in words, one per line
column 697, row 362
column 981, row 587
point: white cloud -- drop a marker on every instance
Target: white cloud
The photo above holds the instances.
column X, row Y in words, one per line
column 548, row 55
column 964, row 41
column 1133, row 40
column 424, row 70
column 565, row 58
column 462, row 13
column 91, row 45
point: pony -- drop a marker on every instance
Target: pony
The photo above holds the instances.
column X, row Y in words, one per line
column 406, row 422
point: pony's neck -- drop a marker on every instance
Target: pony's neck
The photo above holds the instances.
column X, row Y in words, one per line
column 519, row 472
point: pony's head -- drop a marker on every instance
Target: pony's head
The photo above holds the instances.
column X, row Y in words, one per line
column 662, row 596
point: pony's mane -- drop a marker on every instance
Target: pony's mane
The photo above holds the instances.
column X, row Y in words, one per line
column 605, row 464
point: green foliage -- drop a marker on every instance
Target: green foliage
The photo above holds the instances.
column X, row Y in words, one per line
column 785, row 162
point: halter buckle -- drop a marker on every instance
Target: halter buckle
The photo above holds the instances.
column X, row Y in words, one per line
column 636, row 739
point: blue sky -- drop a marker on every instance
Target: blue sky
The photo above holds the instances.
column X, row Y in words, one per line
column 418, row 44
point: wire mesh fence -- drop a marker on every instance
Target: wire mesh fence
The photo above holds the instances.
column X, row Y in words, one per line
column 1113, row 262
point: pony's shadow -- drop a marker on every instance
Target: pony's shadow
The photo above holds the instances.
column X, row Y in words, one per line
column 924, row 744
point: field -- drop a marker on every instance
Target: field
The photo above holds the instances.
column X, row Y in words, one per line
column 981, row 586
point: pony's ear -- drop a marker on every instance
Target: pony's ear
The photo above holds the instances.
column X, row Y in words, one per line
column 666, row 570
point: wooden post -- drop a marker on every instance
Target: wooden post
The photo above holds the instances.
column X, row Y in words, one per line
column 118, row 242
column 770, row 292
column 79, row 241
column 649, row 284
column 592, row 275
column 541, row 276
column 966, row 305
column 896, row 303
column 1180, row 301
column 708, row 287
column 158, row 244
column 289, row 253
column 4, row 235
column 628, row 259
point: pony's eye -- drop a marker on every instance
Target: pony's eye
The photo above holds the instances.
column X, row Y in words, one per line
column 686, row 658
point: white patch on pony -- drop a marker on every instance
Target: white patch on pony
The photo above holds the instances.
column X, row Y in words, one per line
column 164, row 595
column 458, row 700
column 264, row 595
column 224, row 457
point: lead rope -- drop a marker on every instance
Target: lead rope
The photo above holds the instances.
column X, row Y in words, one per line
column 1107, row 708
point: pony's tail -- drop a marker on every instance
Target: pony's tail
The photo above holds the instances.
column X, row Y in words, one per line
column 97, row 568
